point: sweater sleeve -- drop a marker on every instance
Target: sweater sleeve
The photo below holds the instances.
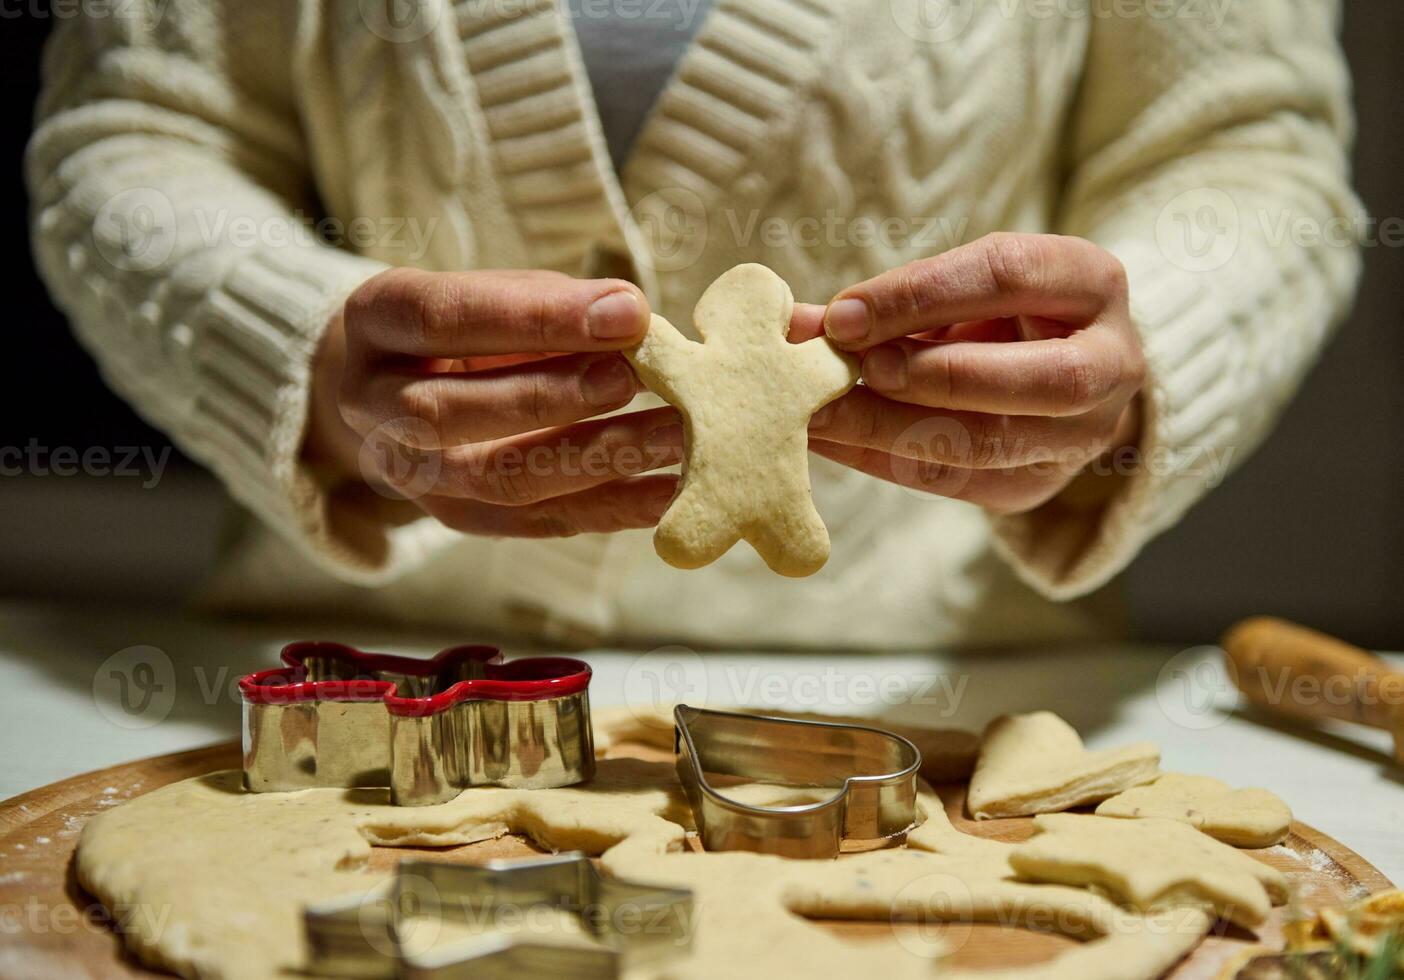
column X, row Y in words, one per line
column 1211, row 157
column 170, row 192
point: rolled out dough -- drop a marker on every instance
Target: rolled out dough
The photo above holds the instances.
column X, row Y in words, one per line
column 209, row 880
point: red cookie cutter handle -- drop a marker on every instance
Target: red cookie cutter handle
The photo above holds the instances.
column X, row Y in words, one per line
column 528, row 679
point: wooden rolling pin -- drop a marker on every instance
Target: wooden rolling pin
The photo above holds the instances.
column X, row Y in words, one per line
column 1299, row 672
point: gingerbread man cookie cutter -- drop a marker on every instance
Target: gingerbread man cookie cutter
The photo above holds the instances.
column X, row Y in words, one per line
column 628, row 924
column 873, row 774
column 335, row 716
column 746, row 395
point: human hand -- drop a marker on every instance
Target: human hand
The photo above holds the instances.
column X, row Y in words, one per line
column 452, row 390
column 993, row 373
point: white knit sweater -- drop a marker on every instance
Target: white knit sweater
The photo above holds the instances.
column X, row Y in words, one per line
column 181, row 142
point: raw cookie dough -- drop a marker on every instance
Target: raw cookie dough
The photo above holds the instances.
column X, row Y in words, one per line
column 213, row 879
column 209, row 880
column 746, row 395
column 1150, row 864
column 1036, row 763
column 1241, row 817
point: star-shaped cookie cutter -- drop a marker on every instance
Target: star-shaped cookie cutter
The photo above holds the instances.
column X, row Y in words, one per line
column 335, row 716
column 628, row 924
column 873, row 774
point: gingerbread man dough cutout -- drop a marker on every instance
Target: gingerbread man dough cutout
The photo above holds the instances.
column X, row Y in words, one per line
column 746, row 395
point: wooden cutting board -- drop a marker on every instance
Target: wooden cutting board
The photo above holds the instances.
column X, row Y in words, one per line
column 52, row 928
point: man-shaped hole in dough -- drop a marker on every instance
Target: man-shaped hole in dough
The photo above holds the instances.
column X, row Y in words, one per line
column 746, row 395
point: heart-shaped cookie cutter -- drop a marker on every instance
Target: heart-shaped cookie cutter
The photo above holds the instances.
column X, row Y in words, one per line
column 337, row 716
column 873, row 774
column 630, row 924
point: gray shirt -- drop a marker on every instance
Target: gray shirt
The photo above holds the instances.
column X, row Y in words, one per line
column 631, row 48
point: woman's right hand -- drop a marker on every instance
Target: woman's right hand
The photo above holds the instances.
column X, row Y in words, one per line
column 468, row 394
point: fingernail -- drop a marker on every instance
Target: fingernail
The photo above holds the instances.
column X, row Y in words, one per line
column 607, row 382
column 847, row 320
column 614, row 316
column 665, row 438
column 821, row 418
column 885, row 368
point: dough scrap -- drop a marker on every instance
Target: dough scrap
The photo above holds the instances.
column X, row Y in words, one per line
column 1241, row 817
column 214, row 878
column 947, row 754
column 1150, row 864
column 746, row 395
column 1036, row 763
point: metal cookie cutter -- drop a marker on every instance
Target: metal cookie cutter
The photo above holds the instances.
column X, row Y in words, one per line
column 873, row 773
column 372, row 936
column 337, row 716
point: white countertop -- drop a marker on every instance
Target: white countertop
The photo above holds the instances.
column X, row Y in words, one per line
column 85, row 690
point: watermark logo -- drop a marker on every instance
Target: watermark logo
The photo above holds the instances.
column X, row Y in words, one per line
column 1199, row 230
column 931, row 915
column 661, row 678
column 135, row 229
column 400, row 458
column 135, row 688
column 673, row 221
column 400, row 21
column 915, row 451
column 933, row 21
column 1193, row 690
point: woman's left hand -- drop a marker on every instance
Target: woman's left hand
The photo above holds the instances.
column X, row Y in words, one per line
column 993, row 373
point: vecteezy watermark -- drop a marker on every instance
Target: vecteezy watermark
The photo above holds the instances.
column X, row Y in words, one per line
column 673, row 223
column 915, row 456
column 34, row 917
column 35, row 459
column 678, row 15
column 1193, row 691
column 148, row 11
column 662, row 678
column 928, row 233
column 931, row 915
column 403, row 459
column 138, row 687
column 400, row 21
column 937, row 454
column 407, row 235
column 1199, row 230
column 137, row 230
column 1202, row 229
column 135, row 688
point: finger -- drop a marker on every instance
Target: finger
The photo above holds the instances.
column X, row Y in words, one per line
column 1002, row 275
column 1063, row 376
column 431, row 411
column 806, row 322
column 1002, row 491
column 615, row 506
column 462, row 314
column 972, row 440
column 550, row 463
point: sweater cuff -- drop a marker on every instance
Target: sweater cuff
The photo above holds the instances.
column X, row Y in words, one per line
column 1188, row 441
column 253, row 345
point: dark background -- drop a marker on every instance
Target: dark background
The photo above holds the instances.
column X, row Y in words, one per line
column 1311, row 528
